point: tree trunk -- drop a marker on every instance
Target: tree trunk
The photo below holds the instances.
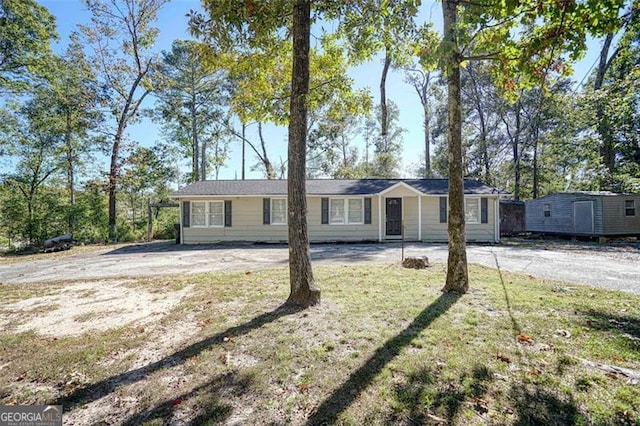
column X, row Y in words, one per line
column 303, row 289
column 268, row 166
column 203, row 161
column 607, row 147
column 457, row 275
column 427, row 147
column 516, row 155
column 70, row 175
column 244, row 129
column 384, row 115
column 536, row 179
column 194, row 137
column 113, row 179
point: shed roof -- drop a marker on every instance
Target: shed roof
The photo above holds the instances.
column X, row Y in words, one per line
column 585, row 194
column 264, row 187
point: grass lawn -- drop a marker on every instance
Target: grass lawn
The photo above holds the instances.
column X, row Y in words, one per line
column 385, row 347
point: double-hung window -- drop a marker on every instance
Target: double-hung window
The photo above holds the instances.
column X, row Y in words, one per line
column 546, row 210
column 346, row 211
column 472, row 210
column 207, row 214
column 278, row 211
column 216, row 214
column 198, row 214
column 629, row 207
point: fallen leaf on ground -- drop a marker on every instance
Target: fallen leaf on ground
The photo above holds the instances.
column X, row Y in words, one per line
column 176, row 401
column 524, row 338
column 565, row 333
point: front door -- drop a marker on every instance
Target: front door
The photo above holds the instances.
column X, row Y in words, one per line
column 583, row 217
column 394, row 216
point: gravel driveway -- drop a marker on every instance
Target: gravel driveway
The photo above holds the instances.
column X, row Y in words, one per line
column 613, row 267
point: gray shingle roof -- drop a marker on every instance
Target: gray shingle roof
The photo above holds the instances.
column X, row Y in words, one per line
column 264, row 187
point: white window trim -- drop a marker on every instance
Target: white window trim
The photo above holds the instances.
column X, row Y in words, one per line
column 209, row 215
column 544, row 210
column 633, row 203
column 345, row 201
column 271, row 212
column 206, row 214
column 478, row 217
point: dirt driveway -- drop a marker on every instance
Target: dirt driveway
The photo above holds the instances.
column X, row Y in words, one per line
column 613, row 267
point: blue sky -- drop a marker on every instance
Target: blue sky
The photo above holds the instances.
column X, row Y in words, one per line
column 172, row 23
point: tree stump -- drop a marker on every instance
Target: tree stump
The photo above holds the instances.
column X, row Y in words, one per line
column 416, row 262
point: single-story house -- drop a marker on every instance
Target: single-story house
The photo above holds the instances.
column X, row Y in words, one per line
column 338, row 210
column 593, row 214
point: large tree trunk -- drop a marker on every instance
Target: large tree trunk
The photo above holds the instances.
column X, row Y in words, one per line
column 457, row 275
column 303, row 289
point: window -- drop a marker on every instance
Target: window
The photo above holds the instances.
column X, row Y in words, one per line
column 346, row 210
column 278, row 211
column 216, row 213
column 356, row 211
column 546, row 210
column 629, row 207
column 472, row 210
column 198, row 213
column 336, row 210
column 207, row 214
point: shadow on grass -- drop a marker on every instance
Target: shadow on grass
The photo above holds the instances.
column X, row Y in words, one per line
column 331, row 408
column 538, row 405
column 95, row 391
column 422, row 395
column 515, row 326
column 626, row 326
column 211, row 395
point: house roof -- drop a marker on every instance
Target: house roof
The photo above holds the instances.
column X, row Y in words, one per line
column 264, row 187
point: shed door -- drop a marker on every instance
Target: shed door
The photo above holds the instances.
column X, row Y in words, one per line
column 583, row 217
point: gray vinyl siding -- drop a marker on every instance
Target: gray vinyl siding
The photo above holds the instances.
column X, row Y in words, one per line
column 608, row 214
column 616, row 223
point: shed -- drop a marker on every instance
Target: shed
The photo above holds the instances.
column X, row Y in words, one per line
column 512, row 217
column 594, row 214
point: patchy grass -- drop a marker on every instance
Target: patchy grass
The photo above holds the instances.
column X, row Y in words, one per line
column 386, row 346
column 28, row 256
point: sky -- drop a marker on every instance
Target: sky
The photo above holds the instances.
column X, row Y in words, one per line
column 173, row 24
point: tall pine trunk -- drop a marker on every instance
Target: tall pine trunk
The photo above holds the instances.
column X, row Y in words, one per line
column 457, row 275
column 113, row 180
column 303, row 289
column 70, row 174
